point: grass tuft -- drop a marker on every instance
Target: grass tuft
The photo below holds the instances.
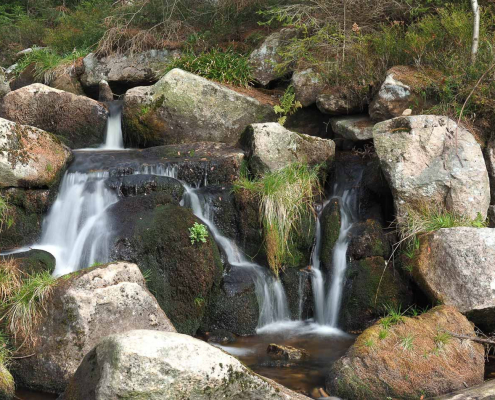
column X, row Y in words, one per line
column 286, row 198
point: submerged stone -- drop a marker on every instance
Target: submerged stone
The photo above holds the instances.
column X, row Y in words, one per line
column 286, row 352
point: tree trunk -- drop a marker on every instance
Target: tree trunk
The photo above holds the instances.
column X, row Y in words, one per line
column 476, row 30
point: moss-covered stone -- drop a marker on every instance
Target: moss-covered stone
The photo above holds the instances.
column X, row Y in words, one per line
column 154, row 233
column 370, row 287
column 7, row 386
column 34, row 261
column 330, row 230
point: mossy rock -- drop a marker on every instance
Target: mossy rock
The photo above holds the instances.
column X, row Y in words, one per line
column 153, row 232
column 25, row 229
column 7, row 385
column 330, row 230
column 368, row 240
column 370, row 287
column 34, row 261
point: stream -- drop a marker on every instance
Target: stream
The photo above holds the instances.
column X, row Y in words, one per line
column 76, row 232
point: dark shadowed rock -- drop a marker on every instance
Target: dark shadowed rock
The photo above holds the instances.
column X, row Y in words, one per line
column 307, row 86
column 335, row 101
column 485, row 391
column 33, row 261
column 135, row 185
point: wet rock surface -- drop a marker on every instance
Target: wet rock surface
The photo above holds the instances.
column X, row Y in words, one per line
column 285, row 352
column 136, row 185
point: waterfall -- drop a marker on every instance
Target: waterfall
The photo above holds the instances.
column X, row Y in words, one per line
column 328, row 293
column 270, row 293
column 75, row 230
column 113, row 137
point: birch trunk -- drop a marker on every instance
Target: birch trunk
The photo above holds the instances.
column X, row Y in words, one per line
column 476, row 30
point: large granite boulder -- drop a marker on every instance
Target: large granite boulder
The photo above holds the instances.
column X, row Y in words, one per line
column 270, row 147
column 30, row 157
column 266, row 62
column 158, row 365
column 402, row 89
column 307, row 86
column 153, row 232
column 78, row 120
column 414, row 358
column 82, row 309
column 126, row 70
column 456, row 266
column 425, row 164
column 185, row 108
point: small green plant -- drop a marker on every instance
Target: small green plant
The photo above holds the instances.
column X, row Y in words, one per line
column 406, row 342
column 6, row 214
column 287, row 105
column 96, row 264
column 369, row 343
column 442, row 339
column 383, row 334
column 198, row 233
column 147, row 273
column 199, row 301
column 393, row 317
column 225, row 66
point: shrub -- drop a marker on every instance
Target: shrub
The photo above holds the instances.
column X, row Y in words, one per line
column 287, row 105
column 198, row 233
column 225, row 66
column 286, row 199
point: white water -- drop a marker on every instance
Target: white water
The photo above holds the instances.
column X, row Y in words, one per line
column 76, row 229
column 113, row 137
column 270, row 293
column 328, row 294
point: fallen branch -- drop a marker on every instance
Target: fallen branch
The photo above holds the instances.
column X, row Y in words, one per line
column 473, row 338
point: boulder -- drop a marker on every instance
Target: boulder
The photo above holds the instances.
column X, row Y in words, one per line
column 355, row 128
column 266, row 62
column 65, row 79
column 485, row 391
column 25, row 213
column 285, row 352
column 424, row 164
column 185, row 108
column 82, row 309
column 30, row 157
column 78, row 120
column 402, row 89
column 7, row 385
column 193, row 163
column 237, row 291
column 33, row 261
column 411, row 359
column 335, row 101
column 307, row 86
column 126, row 70
column 104, row 91
column 158, row 365
column 4, row 84
column 142, row 184
column 153, row 232
column 270, row 147
column 456, row 266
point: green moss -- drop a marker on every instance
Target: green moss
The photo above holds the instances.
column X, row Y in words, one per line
column 330, row 230
column 7, row 386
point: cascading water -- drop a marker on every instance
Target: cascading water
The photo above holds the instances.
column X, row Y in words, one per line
column 76, row 228
column 113, row 137
column 328, row 297
column 269, row 291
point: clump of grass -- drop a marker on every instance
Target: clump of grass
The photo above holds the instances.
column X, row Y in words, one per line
column 406, row 342
column 369, row 343
column 383, row 334
column 10, row 280
column 6, row 216
column 442, row 339
column 23, row 310
column 47, row 63
column 285, row 198
column 225, row 66
column 394, row 316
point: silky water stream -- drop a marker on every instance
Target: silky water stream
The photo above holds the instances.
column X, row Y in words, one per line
column 76, row 232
